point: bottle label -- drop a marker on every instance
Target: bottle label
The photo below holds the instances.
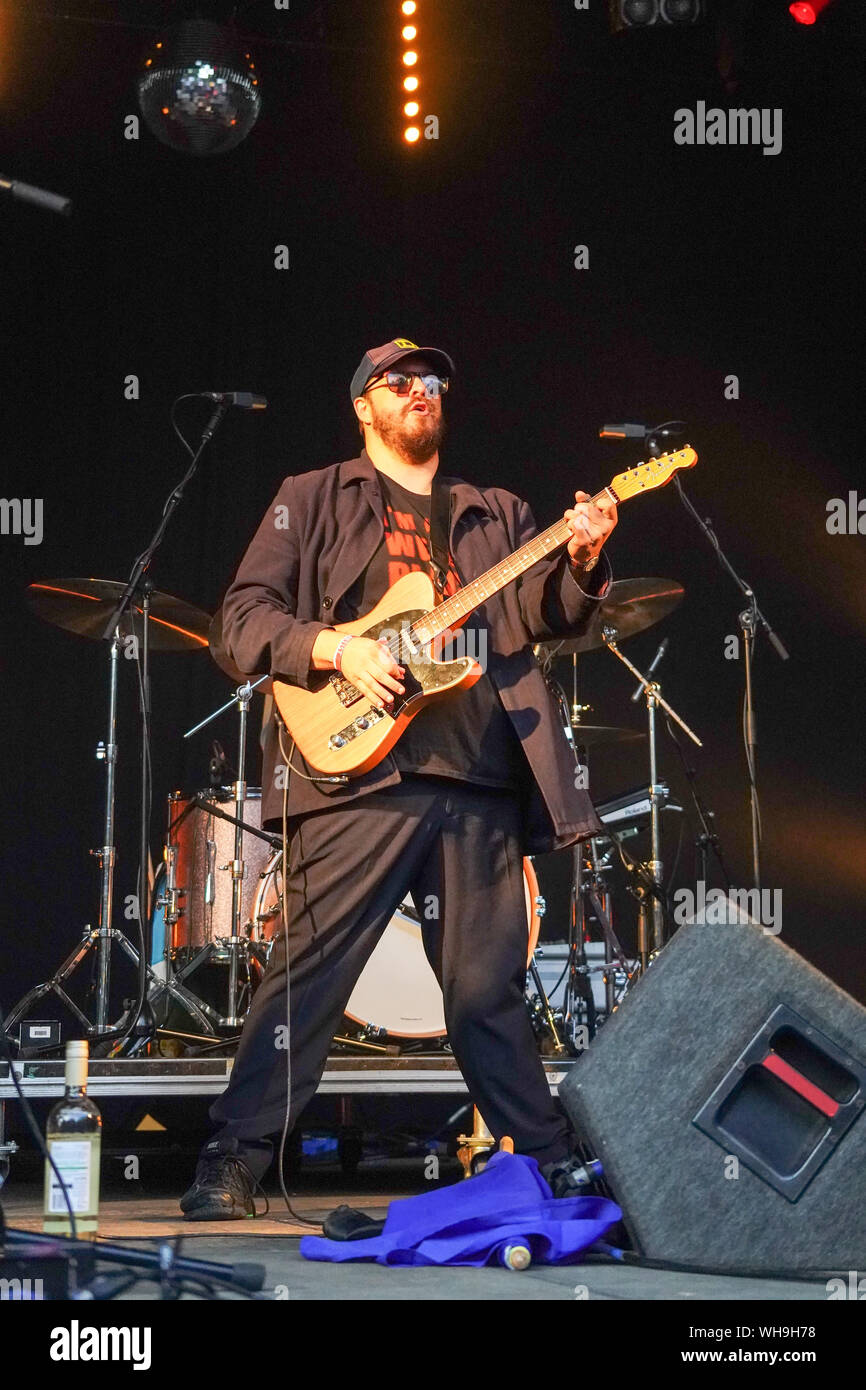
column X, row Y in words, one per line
column 74, row 1159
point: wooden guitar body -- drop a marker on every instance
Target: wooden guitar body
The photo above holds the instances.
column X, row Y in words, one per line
column 339, row 730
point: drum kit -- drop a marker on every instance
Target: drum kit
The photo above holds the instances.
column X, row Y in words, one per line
column 217, row 894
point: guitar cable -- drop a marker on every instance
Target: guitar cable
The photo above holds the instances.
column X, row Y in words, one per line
column 281, row 889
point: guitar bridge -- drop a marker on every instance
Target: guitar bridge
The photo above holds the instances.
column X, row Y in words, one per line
column 347, row 693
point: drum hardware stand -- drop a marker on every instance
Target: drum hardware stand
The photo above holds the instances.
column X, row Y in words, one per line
column 235, row 946
column 578, row 997
column 545, row 1009
column 364, row 1045
column 476, row 1145
column 98, row 939
column 650, row 939
column 597, row 895
column 748, row 620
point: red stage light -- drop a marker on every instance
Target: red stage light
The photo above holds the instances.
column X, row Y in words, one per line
column 807, row 11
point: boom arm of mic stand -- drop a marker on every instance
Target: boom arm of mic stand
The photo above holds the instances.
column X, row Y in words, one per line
column 707, row 528
column 143, row 562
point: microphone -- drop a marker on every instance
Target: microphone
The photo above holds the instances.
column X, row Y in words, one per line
column 623, row 431
column 218, row 767
column 652, row 666
column 38, row 197
column 245, row 400
column 667, row 430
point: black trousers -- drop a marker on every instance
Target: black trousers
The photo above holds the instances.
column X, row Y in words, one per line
column 456, row 848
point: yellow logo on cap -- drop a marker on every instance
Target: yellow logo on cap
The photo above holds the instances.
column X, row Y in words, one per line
column 404, row 343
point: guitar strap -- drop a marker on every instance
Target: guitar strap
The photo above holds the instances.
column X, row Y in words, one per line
column 440, row 519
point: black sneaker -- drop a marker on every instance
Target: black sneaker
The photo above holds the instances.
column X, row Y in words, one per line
column 224, row 1187
column 571, row 1177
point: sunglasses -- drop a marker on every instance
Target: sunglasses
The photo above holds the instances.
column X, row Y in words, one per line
column 401, row 383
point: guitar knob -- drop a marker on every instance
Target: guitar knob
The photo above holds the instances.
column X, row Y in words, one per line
column 362, row 723
column 336, row 741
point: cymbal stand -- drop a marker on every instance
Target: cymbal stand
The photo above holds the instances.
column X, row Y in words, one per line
column 100, row 938
column 235, row 943
column 652, row 941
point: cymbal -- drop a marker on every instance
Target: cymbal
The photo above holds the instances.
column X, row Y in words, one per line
column 84, row 606
column 629, row 606
column 592, row 735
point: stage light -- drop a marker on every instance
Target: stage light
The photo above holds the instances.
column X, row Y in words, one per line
column 200, row 93
column 410, row 58
column 645, row 14
column 808, row 13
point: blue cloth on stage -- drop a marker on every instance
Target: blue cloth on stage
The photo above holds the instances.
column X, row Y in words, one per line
column 472, row 1222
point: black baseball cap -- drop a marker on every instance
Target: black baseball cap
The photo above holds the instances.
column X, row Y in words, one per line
column 376, row 360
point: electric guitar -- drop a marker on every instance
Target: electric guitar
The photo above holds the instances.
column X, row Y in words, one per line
column 339, row 730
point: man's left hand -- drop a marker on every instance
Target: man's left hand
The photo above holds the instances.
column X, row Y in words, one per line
column 591, row 525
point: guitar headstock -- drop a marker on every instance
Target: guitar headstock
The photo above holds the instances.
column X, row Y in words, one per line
column 654, row 473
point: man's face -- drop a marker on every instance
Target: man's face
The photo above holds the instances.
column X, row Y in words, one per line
column 413, row 426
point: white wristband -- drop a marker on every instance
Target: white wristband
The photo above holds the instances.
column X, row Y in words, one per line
column 338, row 654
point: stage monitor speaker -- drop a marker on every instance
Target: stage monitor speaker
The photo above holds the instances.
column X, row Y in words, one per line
column 725, row 1100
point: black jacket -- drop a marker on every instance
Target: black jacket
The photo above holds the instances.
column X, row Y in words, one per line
column 313, row 543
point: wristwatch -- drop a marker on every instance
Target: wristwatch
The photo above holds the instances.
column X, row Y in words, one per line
column 588, row 565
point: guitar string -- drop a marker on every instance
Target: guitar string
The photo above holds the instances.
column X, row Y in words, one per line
column 397, row 646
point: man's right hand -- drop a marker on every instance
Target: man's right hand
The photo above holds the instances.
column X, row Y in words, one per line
column 369, row 665
column 372, row 669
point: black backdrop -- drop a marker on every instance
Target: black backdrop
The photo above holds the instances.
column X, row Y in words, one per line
column 703, row 262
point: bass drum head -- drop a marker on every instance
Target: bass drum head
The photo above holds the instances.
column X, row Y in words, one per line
column 397, row 990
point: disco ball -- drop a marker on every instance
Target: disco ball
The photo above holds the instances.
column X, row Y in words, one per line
column 199, row 91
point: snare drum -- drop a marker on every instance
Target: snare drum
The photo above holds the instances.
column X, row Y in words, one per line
column 198, row 856
column 397, row 990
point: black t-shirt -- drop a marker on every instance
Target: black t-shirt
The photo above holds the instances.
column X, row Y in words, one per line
column 468, row 736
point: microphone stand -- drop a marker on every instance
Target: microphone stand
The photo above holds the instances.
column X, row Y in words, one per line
column 749, row 619
column 111, row 634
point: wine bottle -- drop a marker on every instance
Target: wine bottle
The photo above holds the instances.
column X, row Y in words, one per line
column 73, row 1135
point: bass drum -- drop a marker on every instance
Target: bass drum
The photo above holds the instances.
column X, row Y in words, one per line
column 396, row 991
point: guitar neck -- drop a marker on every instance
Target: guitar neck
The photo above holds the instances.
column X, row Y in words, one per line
column 454, row 609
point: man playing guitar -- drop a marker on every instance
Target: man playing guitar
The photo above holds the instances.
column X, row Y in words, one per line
column 478, row 779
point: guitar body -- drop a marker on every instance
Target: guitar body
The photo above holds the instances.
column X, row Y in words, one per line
column 335, row 726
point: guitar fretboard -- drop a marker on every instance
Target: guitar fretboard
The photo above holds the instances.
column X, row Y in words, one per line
column 455, row 608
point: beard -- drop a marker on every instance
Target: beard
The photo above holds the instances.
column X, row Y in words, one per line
column 415, row 437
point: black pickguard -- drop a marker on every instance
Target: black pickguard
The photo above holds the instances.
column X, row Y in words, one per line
column 424, row 675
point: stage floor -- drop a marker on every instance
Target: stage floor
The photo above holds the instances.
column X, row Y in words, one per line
column 274, row 1241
